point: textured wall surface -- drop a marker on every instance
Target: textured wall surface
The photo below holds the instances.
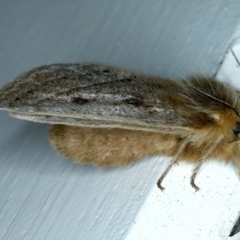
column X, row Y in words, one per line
column 43, row 196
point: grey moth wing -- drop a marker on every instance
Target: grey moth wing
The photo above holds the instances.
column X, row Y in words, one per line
column 102, row 96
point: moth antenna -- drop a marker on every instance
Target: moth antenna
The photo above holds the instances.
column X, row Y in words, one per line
column 234, row 55
column 173, row 161
column 216, row 99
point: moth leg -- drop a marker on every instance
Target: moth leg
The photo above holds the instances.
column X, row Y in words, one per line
column 159, row 182
column 195, row 171
column 236, row 159
column 201, row 161
column 173, row 161
column 237, row 164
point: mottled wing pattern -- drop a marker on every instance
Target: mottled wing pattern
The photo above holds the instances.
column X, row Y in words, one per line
column 98, row 95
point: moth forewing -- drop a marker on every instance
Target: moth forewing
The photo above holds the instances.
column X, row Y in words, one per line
column 99, row 112
column 100, row 122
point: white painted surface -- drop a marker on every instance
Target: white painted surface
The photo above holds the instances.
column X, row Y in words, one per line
column 181, row 213
column 43, row 196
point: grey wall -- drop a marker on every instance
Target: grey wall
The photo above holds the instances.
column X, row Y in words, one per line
column 43, row 196
column 168, row 38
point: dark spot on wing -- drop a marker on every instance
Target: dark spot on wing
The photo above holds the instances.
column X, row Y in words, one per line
column 17, row 100
column 124, row 80
column 79, row 100
column 128, row 80
column 136, row 101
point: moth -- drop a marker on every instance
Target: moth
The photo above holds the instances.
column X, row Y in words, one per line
column 110, row 117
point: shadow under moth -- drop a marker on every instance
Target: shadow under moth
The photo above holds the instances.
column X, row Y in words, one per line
column 110, row 117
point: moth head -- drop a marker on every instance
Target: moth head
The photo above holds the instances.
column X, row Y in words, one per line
column 236, row 130
column 229, row 124
column 233, row 134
